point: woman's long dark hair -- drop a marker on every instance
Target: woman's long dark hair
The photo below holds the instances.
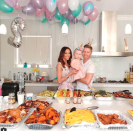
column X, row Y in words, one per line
column 60, row 58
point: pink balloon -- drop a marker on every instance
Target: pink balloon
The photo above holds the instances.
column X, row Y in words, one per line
column 17, row 6
column 85, row 18
column 49, row 18
column 49, row 14
column 93, row 15
column 11, row 3
column 40, row 12
column 38, row 3
column 63, row 6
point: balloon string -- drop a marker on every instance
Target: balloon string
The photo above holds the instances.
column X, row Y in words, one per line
column 36, row 40
column 90, row 30
column 75, row 35
column 84, row 34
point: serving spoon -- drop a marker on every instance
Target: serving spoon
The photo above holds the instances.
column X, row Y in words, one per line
column 92, row 107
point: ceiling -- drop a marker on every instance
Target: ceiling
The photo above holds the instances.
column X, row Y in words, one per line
column 124, row 7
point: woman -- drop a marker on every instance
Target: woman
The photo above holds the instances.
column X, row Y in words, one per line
column 63, row 69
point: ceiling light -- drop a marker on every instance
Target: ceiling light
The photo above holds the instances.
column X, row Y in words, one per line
column 3, row 29
column 64, row 29
column 128, row 29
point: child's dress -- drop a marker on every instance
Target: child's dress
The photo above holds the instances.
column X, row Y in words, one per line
column 76, row 64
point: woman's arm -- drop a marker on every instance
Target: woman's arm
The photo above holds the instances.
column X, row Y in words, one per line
column 61, row 79
column 87, row 79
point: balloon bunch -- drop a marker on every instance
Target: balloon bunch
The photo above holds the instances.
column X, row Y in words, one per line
column 64, row 10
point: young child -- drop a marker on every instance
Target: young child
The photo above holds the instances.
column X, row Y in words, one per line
column 76, row 64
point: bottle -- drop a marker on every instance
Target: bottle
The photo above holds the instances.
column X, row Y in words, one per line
column 130, row 67
column 68, row 97
column 29, row 76
column 11, row 99
column 75, row 96
column 14, row 76
column 126, row 46
column 18, row 76
column 10, row 75
column 127, row 76
column 0, row 91
column 79, row 97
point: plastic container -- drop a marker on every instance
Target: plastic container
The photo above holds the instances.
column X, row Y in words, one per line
column 11, row 100
column 85, row 100
column 61, row 100
column 11, row 94
column 29, row 96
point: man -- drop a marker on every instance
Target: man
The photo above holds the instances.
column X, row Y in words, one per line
column 89, row 69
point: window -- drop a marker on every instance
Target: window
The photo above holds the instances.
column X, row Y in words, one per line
column 34, row 49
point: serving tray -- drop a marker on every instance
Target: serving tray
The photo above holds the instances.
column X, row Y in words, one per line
column 104, row 98
column 36, row 126
column 83, row 124
column 15, row 125
column 113, row 126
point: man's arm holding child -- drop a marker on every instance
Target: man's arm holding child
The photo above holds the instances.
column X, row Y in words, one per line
column 87, row 79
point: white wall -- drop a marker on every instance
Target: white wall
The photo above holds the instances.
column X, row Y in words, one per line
column 112, row 68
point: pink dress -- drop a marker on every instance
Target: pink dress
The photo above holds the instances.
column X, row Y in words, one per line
column 66, row 84
column 76, row 64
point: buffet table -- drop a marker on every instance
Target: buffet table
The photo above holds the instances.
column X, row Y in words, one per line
column 121, row 106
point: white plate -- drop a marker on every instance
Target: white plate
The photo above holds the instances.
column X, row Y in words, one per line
column 104, row 98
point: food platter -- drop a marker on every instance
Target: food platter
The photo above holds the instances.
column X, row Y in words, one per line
column 22, row 112
column 83, row 124
column 131, row 102
column 36, row 126
column 102, row 95
column 113, row 126
column 15, row 125
column 121, row 98
column 122, row 95
column 104, row 98
column 46, row 95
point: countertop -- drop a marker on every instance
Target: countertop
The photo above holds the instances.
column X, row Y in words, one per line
column 97, row 85
column 121, row 106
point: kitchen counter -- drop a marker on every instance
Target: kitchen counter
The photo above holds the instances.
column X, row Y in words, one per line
column 37, row 87
column 122, row 106
column 94, row 84
column 97, row 85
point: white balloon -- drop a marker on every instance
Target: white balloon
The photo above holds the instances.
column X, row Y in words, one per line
column 51, row 6
column 23, row 2
column 73, row 4
column 80, row 16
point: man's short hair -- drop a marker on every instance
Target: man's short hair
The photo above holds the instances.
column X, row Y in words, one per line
column 88, row 46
